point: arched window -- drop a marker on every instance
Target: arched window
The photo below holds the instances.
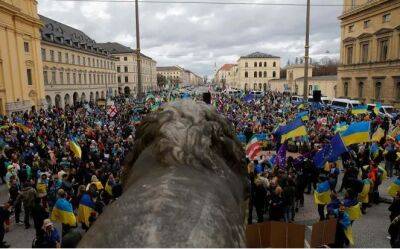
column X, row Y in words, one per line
column 378, row 87
column 260, row 86
column 255, row 74
column 260, row 64
column 345, row 89
column 246, row 74
column 255, row 64
column 255, row 86
column 265, row 64
column 360, row 89
column 265, row 74
column 273, row 74
column 274, row 64
column 260, row 74
column 246, row 64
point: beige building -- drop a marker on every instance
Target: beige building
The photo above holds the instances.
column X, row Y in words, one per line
column 21, row 80
column 256, row 69
column 126, row 66
column 226, row 76
column 179, row 75
column 294, row 82
column 75, row 68
column 370, row 51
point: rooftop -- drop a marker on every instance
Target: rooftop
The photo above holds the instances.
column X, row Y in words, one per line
column 169, row 68
column 227, row 67
column 259, row 55
column 59, row 33
column 117, row 48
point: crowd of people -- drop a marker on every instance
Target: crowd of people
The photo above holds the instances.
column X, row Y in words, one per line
column 277, row 190
column 64, row 165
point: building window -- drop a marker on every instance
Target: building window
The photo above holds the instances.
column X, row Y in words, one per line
column 255, row 74
column 59, row 57
column 351, row 28
column 274, row 64
column 273, row 74
column 346, row 89
column 364, row 52
column 51, row 55
column 260, row 74
column 353, row 3
column 84, row 78
column 79, row 60
column 265, row 64
column 255, row 86
column 66, row 58
column 367, row 23
column 125, row 58
column 349, row 56
column 80, row 78
column 84, row 61
column 386, row 17
column 265, row 74
column 43, row 54
column 246, row 64
column 73, row 59
column 378, row 86
column 68, row 78
column 360, row 89
column 126, row 79
column 118, row 69
column 125, row 69
column 398, row 89
column 255, row 64
column 88, row 61
column 74, row 78
column 53, row 77
column 61, row 78
column 26, row 47
column 383, row 49
column 29, row 76
column 246, row 74
column 119, row 79
column 45, row 78
column 260, row 64
column 90, row 79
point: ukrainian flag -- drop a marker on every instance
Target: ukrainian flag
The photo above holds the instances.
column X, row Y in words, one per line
column 86, row 207
column 63, row 212
column 364, row 195
column 294, row 129
column 23, row 127
column 354, row 212
column 394, row 188
column 357, row 132
column 322, row 195
column 360, row 109
column 377, row 107
column 75, row 148
column 108, row 188
column 378, row 135
column 303, row 116
column 341, row 127
column 374, row 150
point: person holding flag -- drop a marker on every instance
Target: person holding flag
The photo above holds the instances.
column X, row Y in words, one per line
column 322, row 196
column 63, row 212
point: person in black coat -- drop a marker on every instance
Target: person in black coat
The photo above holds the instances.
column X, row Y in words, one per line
column 39, row 214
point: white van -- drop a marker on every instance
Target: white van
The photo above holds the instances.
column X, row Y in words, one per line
column 344, row 104
column 257, row 94
column 385, row 110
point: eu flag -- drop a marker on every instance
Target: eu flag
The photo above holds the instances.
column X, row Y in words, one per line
column 330, row 152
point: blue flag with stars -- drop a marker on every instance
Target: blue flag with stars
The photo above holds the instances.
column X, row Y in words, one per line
column 330, row 152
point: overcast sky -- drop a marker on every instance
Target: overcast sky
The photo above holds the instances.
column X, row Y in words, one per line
column 198, row 36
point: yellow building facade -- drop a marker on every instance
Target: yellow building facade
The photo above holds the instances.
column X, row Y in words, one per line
column 126, row 66
column 75, row 68
column 21, row 80
column 370, row 51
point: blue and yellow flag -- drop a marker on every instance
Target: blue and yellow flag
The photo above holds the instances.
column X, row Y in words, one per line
column 374, row 150
column 364, row 195
column 360, row 109
column 75, row 148
column 63, row 212
column 357, row 132
column 322, row 195
column 340, row 127
column 86, row 207
column 304, row 116
column 294, row 129
column 394, row 187
column 378, row 135
column 354, row 212
column 378, row 106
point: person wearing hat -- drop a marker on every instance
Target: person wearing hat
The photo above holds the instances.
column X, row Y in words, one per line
column 51, row 237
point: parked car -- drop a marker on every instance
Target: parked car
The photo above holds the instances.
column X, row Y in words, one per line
column 385, row 110
column 296, row 99
column 257, row 94
column 344, row 105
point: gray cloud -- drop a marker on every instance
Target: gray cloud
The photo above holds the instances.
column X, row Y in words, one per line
column 198, row 36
